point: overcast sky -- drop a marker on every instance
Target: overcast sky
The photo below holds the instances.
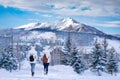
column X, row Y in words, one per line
column 102, row 14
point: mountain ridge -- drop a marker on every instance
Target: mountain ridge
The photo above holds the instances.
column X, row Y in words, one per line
column 68, row 24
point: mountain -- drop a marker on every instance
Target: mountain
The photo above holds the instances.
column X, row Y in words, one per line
column 74, row 26
column 117, row 35
column 56, row 33
column 68, row 24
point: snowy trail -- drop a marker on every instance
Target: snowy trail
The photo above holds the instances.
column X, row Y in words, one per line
column 59, row 72
column 55, row 73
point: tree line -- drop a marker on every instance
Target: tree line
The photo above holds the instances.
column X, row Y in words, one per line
column 102, row 58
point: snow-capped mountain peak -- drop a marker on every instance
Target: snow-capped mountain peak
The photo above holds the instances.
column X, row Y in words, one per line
column 70, row 20
column 72, row 25
column 67, row 24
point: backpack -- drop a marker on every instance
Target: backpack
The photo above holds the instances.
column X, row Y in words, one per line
column 44, row 59
column 31, row 58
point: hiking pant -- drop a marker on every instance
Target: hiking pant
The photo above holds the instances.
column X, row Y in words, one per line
column 32, row 67
column 46, row 67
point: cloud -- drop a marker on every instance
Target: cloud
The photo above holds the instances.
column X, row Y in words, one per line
column 68, row 7
column 111, row 24
column 31, row 19
column 47, row 15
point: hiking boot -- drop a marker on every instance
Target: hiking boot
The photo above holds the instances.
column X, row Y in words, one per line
column 32, row 73
column 44, row 73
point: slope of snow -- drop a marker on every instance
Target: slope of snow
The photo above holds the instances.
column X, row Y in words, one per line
column 31, row 26
column 28, row 26
column 115, row 44
column 36, row 35
column 111, row 43
column 58, row 72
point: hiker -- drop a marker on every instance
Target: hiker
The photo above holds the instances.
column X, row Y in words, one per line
column 46, row 60
column 32, row 57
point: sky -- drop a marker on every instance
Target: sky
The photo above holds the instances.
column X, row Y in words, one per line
column 101, row 14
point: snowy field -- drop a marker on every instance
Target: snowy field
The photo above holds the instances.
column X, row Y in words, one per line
column 58, row 72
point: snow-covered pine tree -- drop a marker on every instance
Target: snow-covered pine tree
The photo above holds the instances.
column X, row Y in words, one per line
column 97, row 62
column 74, row 55
column 79, row 65
column 112, row 65
column 8, row 60
column 105, row 45
column 67, row 51
column 76, row 60
column 104, row 54
column 1, row 56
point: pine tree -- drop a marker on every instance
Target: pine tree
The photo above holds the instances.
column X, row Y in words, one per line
column 66, row 59
column 68, row 43
column 112, row 65
column 8, row 60
column 79, row 65
column 105, row 45
column 74, row 55
column 67, row 51
column 76, row 61
column 97, row 62
column 104, row 54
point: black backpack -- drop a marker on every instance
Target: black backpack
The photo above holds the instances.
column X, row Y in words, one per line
column 31, row 58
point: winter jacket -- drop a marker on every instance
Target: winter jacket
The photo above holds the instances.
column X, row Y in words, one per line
column 34, row 53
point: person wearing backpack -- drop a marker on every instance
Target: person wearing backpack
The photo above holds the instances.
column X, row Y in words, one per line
column 46, row 60
column 32, row 57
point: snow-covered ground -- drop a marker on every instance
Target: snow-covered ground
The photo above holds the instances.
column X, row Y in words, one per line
column 58, row 72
